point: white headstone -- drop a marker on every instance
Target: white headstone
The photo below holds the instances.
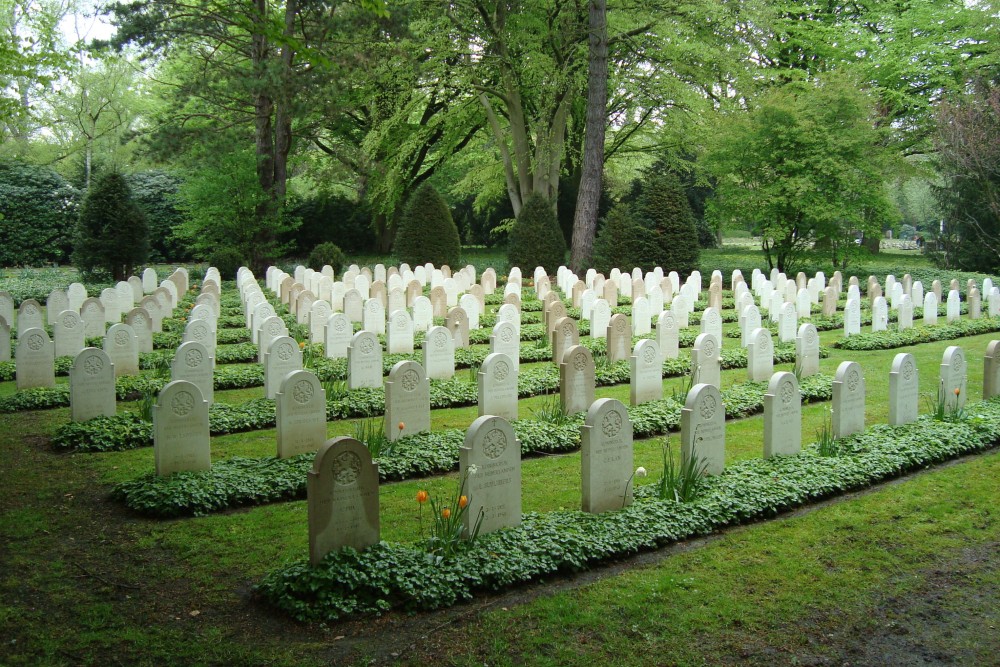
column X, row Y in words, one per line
column 337, row 336
column 68, row 333
column 494, row 489
column 407, row 401
column 760, row 356
column 91, row 385
column 880, row 314
column 282, row 357
column 576, row 380
column 497, row 380
column 439, row 354
column 193, row 363
column 122, row 346
column 904, row 390
column 703, row 429
column 342, row 498
column 930, row 309
column 782, row 416
column 848, row 400
column 807, row 350
column 181, row 439
column 606, row 456
column 954, row 378
column 667, row 335
column 646, row 366
column 705, row 368
column 364, row 361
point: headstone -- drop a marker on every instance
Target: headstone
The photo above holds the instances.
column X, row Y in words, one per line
column 829, row 302
column 954, row 378
column 364, row 361
column 606, row 456
column 703, row 429
column 457, row 323
column 917, row 293
column 271, row 329
column 553, row 312
column 705, row 368
column 152, row 307
column 373, row 317
column 711, row 322
column 564, row 336
column 112, row 311
column 619, row 338
column 407, row 401
column 319, row 316
column 423, row 314
column 399, row 336
column 490, row 463
column 135, row 283
column 991, row 370
column 199, row 330
column 975, row 304
column 930, row 309
column 760, row 356
column 58, row 302
column 848, row 400
column 646, row 376
column 342, row 498
column 904, row 316
column 667, row 335
column 954, row 311
column 788, row 323
column 641, row 317
column 470, row 304
column 880, row 314
column 904, row 394
column 149, row 281
column 353, row 305
column 92, row 312
column 121, row 345
column 193, row 363
column 91, row 385
column 68, row 334
column 284, row 356
column 600, row 319
column 497, row 381
column 852, row 317
column 181, row 441
column 439, row 354
column 782, row 416
column 993, row 303
column 337, row 336
column 807, row 350
column 576, row 380
column 749, row 320
column 34, row 363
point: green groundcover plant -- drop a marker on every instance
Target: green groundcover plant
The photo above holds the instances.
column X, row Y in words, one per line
column 403, row 576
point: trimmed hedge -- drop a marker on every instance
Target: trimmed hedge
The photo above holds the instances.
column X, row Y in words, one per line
column 893, row 338
column 427, row 232
column 403, row 576
column 239, row 481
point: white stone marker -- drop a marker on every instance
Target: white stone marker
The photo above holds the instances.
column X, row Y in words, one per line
column 57, row 302
column 29, row 316
column 76, row 293
column 193, row 363
column 642, row 318
column 991, row 370
column 407, row 401
column 121, row 345
column 606, row 456
column 576, row 380
column 807, row 350
column 788, row 322
column 319, row 315
column 904, row 315
column 852, row 317
column 705, row 367
column 439, row 354
column 782, row 416
column 300, row 414
column 880, row 314
column 494, row 490
column 703, row 429
column 68, row 334
column 954, row 376
column 749, row 320
column 92, row 312
column 600, row 319
column 667, row 336
column 91, row 385
column 337, row 336
column 112, row 310
column 760, row 356
column 904, row 390
column 282, row 357
column 364, row 361
column 34, row 363
column 373, row 318
column 711, row 322
column 848, row 400
column 504, row 340
column 930, row 309
column 181, row 440
column 619, row 338
column 149, row 281
column 497, row 384
column 201, row 331
column 646, row 373
column 342, row 498
column 4, row 340
column 954, row 311
column 270, row 329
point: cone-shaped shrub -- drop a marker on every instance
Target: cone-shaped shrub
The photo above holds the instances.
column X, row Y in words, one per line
column 663, row 207
column 625, row 243
column 536, row 239
column 426, row 231
column 112, row 235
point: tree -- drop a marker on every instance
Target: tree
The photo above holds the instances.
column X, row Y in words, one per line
column 427, row 232
column 624, row 243
column 661, row 205
column 157, row 194
column 38, row 213
column 111, row 236
column 536, row 239
column 968, row 140
column 806, row 163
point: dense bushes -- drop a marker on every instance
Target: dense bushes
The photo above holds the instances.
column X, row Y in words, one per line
column 324, row 254
column 38, row 211
column 663, row 206
column 624, row 243
column 335, row 219
column 426, row 231
column 156, row 193
column 536, row 239
column 111, row 236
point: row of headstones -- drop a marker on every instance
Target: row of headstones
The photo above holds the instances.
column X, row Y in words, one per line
column 343, row 485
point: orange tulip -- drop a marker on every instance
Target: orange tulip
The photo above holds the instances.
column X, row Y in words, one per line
column 401, row 426
column 422, row 496
column 463, row 502
column 302, row 345
column 958, row 390
column 446, row 513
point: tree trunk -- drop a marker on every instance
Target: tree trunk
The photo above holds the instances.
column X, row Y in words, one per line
column 589, row 195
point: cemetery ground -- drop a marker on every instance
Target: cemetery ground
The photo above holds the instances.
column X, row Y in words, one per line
column 904, row 573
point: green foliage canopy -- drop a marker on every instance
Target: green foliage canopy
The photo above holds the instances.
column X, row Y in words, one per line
column 427, row 232
column 112, row 236
column 536, row 239
column 38, row 211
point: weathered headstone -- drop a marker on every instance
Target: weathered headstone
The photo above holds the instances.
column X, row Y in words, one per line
column 457, row 323
column 497, row 380
column 337, row 336
column 193, row 363
column 711, row 322
column 880, row 314
column 954, row 310
column 904, row 390
column 149, row 281
column 668, row 335
column 619, row 338
column 703, row 429
column 364, row 361
column 600, row 319
column 407, row 401
column 121, row 346
column 576, row 380
column 92, row 313
column 782, row 416
column 493, row 452
column 930, row 309
column 91, row 385
column 181, row 439
column 646, row 376
column 284, row 356
column 505, row 340
column 991, row 370
column 760, row 356
column 342, row 498
column 848, row 400
column 606, row 456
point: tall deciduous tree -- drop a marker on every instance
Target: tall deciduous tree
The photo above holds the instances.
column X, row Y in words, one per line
column 805, row 164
